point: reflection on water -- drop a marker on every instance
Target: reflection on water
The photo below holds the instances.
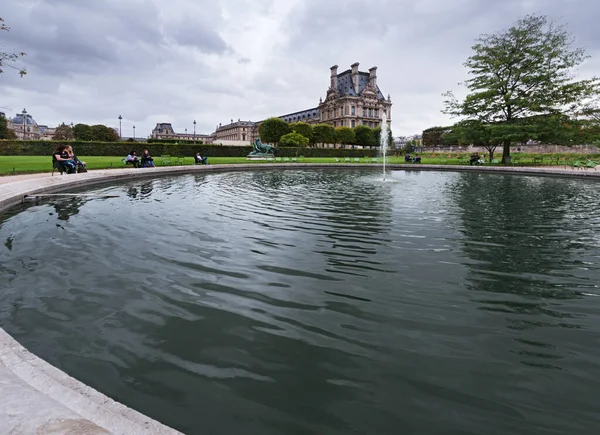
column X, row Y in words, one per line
column 305, row 302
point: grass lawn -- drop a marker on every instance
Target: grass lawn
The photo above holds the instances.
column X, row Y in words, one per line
column 28, row 164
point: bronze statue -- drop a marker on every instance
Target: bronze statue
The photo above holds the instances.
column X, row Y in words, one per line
column 261, row 149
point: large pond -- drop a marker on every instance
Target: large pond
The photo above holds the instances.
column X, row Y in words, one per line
column 320, row 302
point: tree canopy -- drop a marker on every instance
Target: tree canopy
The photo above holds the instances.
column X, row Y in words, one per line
column 294, row 139
column 521, row 73
column 6, row 58
column 323, row 133
column 100, row 133
column 303, row 128
column 271, row 130
column 345, row 136
column 5, row 132
column 63, row 132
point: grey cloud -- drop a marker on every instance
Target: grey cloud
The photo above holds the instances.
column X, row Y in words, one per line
column 195, row 34
column 153, row 60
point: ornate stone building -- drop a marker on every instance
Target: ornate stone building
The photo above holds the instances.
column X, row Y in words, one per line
column 236, row 133
column 353, row 99
column 164, row 130
column 26, row 128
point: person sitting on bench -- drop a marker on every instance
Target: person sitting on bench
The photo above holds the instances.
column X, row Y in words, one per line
column 417, row 159
column 147, row 160
column 62, row 161
column 474, row 160
column 132, row 159
column 199, row 160
column 79, row 165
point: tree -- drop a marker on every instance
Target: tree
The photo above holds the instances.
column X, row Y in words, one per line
column 63, row 132
column 102, row 133
column 271, row 130
column 303, row 128
column 6, row 57
column 521, row 72
column 364, row 136
column 435, row 136
column 5, row 132
column 323, row 133
column 294, row 139
column 474, row 132
column 345, row 136
column 83, row 132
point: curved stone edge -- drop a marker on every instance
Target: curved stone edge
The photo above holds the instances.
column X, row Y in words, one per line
column 39, row 398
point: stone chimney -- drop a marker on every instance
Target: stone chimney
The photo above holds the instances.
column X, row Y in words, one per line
column 373, row 77
column 355, row 76
column 334, row 81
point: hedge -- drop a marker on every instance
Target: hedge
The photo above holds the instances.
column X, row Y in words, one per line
column 41, row 147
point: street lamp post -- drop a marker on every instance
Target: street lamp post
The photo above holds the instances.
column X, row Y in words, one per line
column 24, row 113
column 194, row 130
column 134, row 132
column 120, row 134
column 185, row 134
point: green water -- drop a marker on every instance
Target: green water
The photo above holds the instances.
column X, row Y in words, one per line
column 320, row 302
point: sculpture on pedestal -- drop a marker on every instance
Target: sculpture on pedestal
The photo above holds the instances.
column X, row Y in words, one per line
column 261, row 150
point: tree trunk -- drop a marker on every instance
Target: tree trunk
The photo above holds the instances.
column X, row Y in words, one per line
column 506, row 153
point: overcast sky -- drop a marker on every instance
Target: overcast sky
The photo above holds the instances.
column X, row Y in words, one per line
column 215, row 60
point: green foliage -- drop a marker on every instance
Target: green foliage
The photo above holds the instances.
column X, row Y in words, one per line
column 271, row 130
column 5, row 132
column 303, row 128
column 345, row 136
column 44, row 147
column 82, row 132
column 175, row 141
column 102, row 133
column 95, row 133
column 365, row 136
column 323, row 133
column 436, row 136
column 63, row 132
column 520, row 73
column 6, row 57
column 294, row 139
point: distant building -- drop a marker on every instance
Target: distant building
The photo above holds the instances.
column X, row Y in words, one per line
column 353, row 98
column 239, row 132
column 26, row 128
column 164, row 130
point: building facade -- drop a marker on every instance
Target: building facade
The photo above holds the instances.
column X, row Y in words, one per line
column 26, row 128
column 354, row 99
column 164, row 130
column 236, row 133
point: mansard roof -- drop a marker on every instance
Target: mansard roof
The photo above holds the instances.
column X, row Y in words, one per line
column 301, row 116
column 346, row 87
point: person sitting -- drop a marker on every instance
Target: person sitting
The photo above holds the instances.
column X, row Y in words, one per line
column 199, row 160
column 132, row 159
column 62, row 161
column 474, row 160
column 417, row 159
column 79, row 165
column 407, row 158
column 147, row 160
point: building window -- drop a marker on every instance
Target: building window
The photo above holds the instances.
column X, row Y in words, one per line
column 364, row 111
column 353, row 123
column 370, row 113
column 353, row 109
column 375, row 110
